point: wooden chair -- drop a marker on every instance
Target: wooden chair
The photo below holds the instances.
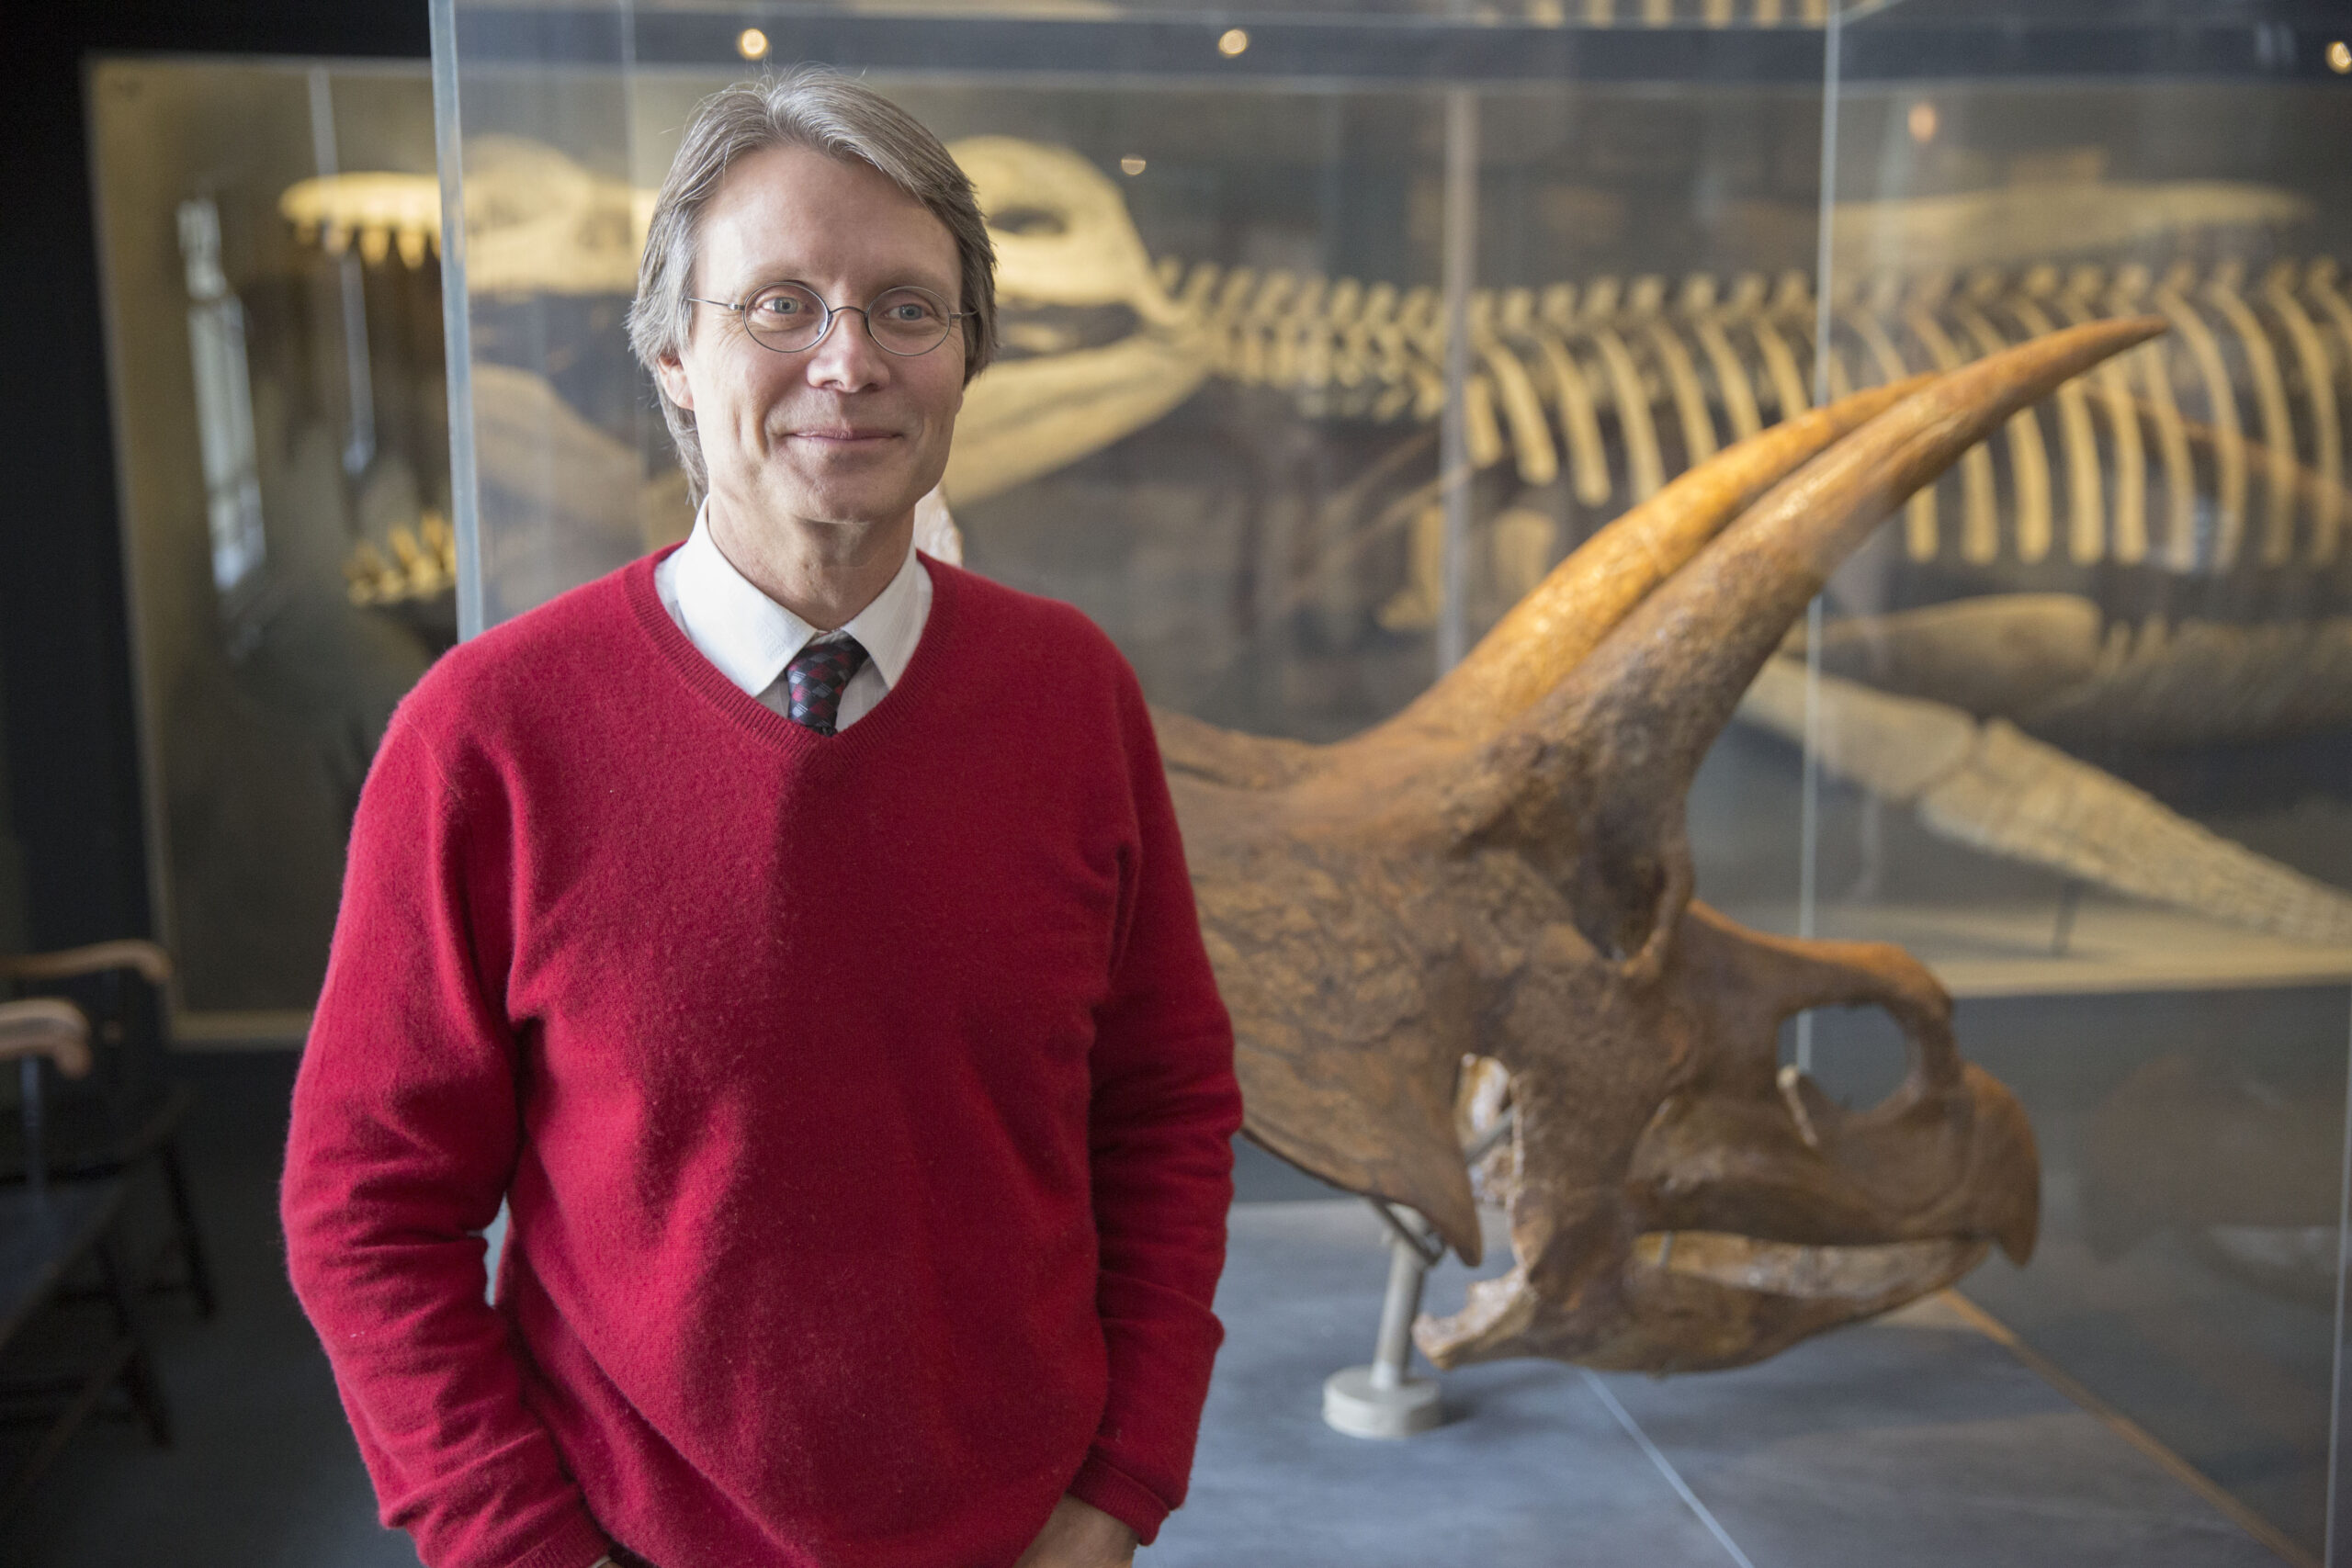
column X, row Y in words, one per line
column 49, row 1231
column 123, row 1113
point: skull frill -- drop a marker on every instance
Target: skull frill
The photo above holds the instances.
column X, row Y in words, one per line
column 1501, row 871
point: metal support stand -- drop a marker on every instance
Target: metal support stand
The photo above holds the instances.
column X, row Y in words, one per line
column 1384, row 1399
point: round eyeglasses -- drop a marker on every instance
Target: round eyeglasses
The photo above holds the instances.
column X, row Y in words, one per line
column 790, row 317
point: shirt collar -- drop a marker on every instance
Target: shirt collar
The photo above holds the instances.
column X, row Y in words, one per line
column 751, row 638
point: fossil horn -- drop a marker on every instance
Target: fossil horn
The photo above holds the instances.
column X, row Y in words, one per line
column 1589, row 783
column 1547, row 633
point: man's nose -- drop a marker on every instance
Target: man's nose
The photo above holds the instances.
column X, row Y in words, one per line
column 848, row 358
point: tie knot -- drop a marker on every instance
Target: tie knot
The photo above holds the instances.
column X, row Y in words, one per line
column 816, row 678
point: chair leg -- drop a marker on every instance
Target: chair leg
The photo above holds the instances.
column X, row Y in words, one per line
column 199, row 1271
column 139, row 1378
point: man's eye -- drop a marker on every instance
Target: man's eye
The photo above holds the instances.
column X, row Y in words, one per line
column 783, row 305
column 911, row 311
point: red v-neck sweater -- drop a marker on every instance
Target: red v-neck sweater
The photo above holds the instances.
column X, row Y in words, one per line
column 861, row 1103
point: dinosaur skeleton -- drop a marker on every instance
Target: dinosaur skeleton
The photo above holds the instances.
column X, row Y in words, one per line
column 1989, row 785
column 1724, row 360
column 1611, row 385
column 1553, row 364
column 2054, row 665
column 1501, row 871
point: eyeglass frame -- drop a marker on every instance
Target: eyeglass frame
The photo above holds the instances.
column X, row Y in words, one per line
column 831, row 313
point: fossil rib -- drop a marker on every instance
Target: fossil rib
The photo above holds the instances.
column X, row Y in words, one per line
column 1990, row 786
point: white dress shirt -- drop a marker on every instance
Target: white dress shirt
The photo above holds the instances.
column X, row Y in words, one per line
column 751, row 638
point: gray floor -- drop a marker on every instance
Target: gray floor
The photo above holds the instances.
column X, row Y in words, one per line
column 1918, row 1441
column 1922, row 1442
column 263, row 1473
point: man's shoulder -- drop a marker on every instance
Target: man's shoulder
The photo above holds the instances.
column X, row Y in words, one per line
column 1009, row 620
column 549, row 657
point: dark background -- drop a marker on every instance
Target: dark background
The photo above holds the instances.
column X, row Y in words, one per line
column 70, row 739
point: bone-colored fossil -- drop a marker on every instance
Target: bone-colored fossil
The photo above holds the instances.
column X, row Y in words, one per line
column 1990, row 786
column 376, row 211
column 2049, row 663
column 1501, row 871
column 1568, row 357
column 1570, row 378
column 423, row 564
column 1923, row 284
column 537, row 222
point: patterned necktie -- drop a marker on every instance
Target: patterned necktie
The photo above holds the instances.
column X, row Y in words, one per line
column 818, row 676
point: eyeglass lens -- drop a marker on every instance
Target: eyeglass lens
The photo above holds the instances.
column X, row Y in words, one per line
column 788, row 317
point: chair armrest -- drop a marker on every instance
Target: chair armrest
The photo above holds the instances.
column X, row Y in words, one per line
column 45, row 1026
column 129, row 952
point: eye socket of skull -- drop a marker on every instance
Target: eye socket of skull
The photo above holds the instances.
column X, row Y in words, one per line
column 1029, row 222
column 1062, row 231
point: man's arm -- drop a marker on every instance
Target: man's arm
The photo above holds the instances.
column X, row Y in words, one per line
column 1165, row 1108
column 405, row 1128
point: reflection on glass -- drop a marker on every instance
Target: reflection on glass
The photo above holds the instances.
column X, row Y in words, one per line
column 281, row 431
column 224, row 405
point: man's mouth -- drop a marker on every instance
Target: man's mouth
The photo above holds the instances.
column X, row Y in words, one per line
column 844, row 436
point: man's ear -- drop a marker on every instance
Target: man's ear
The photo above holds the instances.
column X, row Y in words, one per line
column 674, row 385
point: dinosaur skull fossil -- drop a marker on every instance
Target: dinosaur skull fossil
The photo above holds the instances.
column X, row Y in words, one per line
column 1093, row 347
column 1501, row 871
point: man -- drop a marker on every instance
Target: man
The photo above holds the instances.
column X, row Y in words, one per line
column 795, row 934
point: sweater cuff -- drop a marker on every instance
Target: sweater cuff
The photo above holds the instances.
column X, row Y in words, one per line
column 578, row 1544
column 1105, row 1487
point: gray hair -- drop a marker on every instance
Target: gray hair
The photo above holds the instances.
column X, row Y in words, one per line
column 823, row 110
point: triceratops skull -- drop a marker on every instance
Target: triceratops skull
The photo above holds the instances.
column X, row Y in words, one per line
column 1501, row 871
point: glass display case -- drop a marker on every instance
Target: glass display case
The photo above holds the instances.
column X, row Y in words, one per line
column 2138, row 598
column 1330, row 330
column 281, row 436
column 1227, row 256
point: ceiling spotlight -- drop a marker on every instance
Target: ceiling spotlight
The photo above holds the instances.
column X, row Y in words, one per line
column 752, row 44
column 1922, row 121
column 1131, row 165
column 2339, row 58
column 1233, row 41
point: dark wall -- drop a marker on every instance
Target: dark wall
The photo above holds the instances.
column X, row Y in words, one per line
column 71, row 748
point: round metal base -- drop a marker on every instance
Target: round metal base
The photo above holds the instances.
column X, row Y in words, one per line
column 1352, row 1405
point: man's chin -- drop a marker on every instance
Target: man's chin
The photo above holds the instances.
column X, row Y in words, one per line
column 849, row 506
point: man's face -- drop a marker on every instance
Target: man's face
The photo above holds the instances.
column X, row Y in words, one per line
column 842, row 433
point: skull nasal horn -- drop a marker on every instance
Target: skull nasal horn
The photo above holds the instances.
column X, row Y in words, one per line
column 1589, row 783
column 1551, row 631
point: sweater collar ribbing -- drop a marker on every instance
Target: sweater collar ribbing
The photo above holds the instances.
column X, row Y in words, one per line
column 919, row 686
